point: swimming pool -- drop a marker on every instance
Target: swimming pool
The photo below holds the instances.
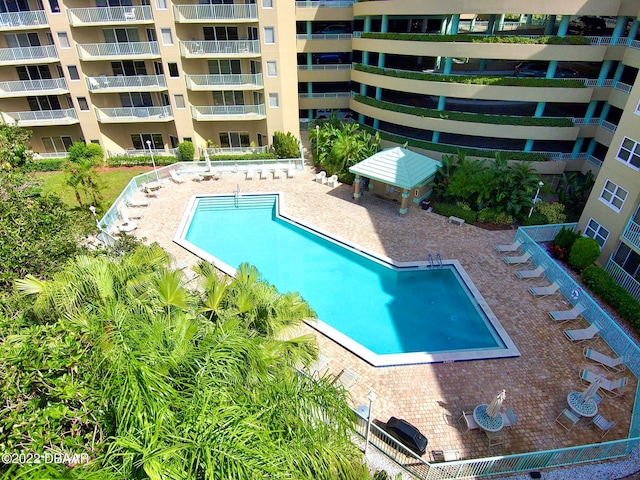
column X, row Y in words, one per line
column 386, row 312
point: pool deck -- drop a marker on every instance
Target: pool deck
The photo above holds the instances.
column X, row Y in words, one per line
column 536, row 383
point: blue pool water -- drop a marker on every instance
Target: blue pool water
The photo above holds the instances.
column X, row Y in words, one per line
column 387, row 310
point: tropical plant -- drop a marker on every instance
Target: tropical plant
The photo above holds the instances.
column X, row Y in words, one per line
column 186, row 151
column 197, row 384
column 13, row 147
column 584, row 252
column 440, row 184
column 80, row 172
column 553, row 212
column 285, row 145
column 573, row 190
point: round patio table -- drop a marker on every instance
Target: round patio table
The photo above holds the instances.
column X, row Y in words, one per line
column 584, row 409
column 486, row 422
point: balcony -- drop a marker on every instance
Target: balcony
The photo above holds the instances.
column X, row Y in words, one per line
column 82, row 17
column 112, row 51
column 325, row 3
column 229, row 112
column 221, row 49
column 623, row 279
column 134, row 114
column 224, row 82
column 215, row 13
column 631, row 234
column 40, row 118
column 23, row 20
column 21, row 88
column 138, row 83
column 25, row 55
column 213, row 151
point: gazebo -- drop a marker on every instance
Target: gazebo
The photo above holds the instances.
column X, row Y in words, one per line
column 395, row 174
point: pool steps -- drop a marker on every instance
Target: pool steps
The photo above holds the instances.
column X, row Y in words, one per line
column 230, row 202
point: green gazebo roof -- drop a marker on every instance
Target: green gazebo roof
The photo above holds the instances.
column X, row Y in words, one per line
column 398, row 167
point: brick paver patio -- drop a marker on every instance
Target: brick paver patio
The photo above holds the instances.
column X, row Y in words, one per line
column 428, row 396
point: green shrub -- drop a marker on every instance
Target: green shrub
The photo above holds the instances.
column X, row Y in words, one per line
column 605, row 287
column 495, row 217
column 346, row 178
column 584, row 252
column 286, row 145
column 81, row 152
column 536, row 218
column 565, row 238
column 554, row 212
column 140, row 160
column 421, row 37
column 186, row 151
column 497, row 80
column 466, row 117
column 448, row 210
column 44, row 165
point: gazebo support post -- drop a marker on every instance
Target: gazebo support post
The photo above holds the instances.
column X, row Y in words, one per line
column 357, row 194
column 404, row 205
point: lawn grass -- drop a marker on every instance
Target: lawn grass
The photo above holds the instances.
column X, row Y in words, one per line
column 112, row 181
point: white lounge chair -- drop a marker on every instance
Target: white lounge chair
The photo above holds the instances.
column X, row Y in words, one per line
column 603, row 424
column 524, row 258
column 567, row 315
column 321, row 177
column 333, row 181
column 611, row 388
column 175, row 177
column 291, row 172
column 544, row 291
column 610, row 363
column 347, row 378
column 582, row 334
column 264, row 174
column 528, row 274
column 509, row 248
column 137, row 203
column 249, row 175
column 277, row 174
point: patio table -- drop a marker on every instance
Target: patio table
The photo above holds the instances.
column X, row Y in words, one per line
column 486, row 422
column 584, row 409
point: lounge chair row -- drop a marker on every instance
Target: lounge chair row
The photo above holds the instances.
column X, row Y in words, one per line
column 277, row 173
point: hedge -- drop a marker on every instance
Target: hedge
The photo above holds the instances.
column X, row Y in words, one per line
column 44, row 165
column 421, row 37
column 140, row 160
column 605, row 287
column 448, row 210
column 473, row 152
column 465, row 117
column 472, row 79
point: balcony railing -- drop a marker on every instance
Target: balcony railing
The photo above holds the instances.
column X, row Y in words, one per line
column 623, row 279
column 134, row 114
column 325, row 95
column 19, row 55
column 200, row 13
column 53, row 86
column 336, row 66
column 138, row 83
column 102, row 51
column 245, row 81
column 40, row 117
column 109, row 15
column 325, row 36
column 213, row 151
column 132, row 152
column 20, row 20
column 228, row 112
column 227, row 48
column 325, row 3
column 39, row 155
column 631, row 233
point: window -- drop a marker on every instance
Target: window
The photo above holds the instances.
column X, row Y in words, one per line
column 139, row 141
column 136, row 99
column 95, row 140
column 179, row 99
column 34, row 72
column 597, row 232
column 128, row 68
column 234, row 139
column 63, row 40
column 173, row 70
column 629, row 152
column 224, row 67
column 73, row 72
column 228, row 97
column 167, row 38
column 56, row 144
column 267, row 3
column 83, row 104
column 274, row 102
column 272, row 69
column 121, row 35
column 613, row 195
column 269, row 35
column 55, row 7
column 220, row 33
column 161, row 4
column 45, row 102
column 22, row 40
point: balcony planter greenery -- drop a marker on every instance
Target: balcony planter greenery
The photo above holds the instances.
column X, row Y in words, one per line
column 499, row 81
column 466, row 117
column 467, row 38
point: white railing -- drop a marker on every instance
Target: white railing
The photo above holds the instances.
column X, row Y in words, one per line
column 82, row 16
column 325, row 95
column 595, row 121
column 38, row 155
column 34, row 18
column 213, row 151
column 623, row 279
column 325, row 36
column 132, row 152
column 32, row 86
column 336, row 66
column 227, row 111
column 631, row 233
column 608, row 83
column 18, row 54
column 222, row 48
column 138, row 82
column 612, row 127
column 41, row 117
column 133, row 114
column 247, row 80
column 194, row 13
column 325, row 3
column 95, row 51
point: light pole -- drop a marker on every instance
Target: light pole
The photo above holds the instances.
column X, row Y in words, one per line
column 92, row 209
column 372, row 397
column 535, row 199
column 317, row 143
column 153, row 162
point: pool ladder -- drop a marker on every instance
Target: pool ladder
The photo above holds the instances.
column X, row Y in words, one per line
column 236, row 195
column 432, row 260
